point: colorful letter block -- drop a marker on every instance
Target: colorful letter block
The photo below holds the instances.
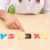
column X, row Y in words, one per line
column 2, row 36
column 45, row 36
column 11, row 36
column 36, row 36
column 28, row 36
column 20, row 37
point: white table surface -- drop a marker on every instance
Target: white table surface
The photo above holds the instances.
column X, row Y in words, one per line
column 32, row 24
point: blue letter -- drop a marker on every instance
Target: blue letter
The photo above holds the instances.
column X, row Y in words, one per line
column 2, row 36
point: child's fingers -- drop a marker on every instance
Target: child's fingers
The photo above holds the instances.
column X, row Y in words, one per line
column 22, row 29
column 12, row 26
column 19, row 25
column 15, row 26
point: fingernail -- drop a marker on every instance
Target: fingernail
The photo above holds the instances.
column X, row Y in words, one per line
column 23, row 30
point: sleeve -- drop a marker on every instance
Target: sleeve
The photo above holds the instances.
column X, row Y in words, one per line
column 47, row 6
column 4, row 4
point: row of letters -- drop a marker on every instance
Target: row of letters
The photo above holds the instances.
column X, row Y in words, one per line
column 20, row 36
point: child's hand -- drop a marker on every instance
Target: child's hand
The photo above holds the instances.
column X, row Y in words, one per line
column 12, row 22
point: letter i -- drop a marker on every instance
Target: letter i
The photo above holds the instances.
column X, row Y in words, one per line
column 20, row 37
column 45, row 36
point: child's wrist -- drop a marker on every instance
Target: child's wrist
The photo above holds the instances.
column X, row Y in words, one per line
column 5, row 15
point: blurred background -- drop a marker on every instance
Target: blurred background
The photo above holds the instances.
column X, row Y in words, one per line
column 12, row 9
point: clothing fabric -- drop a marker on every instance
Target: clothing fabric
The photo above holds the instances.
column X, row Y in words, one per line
column 26, row 6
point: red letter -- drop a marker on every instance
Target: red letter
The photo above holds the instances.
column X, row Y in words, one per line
column 36, row 36
column 11, row 36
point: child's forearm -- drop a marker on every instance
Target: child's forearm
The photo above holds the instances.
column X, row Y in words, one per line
column 3, row 14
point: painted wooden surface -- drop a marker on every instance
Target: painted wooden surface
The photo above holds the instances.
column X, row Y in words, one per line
column 33, row 24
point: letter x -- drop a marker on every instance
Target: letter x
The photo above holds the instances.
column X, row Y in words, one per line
column 36, row 36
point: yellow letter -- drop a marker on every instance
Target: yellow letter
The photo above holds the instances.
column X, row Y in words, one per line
column 20, row 37
column 45, row 36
